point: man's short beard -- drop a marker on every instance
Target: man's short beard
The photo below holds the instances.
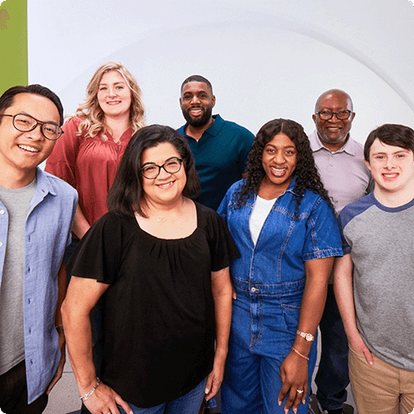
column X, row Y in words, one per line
column 200, row 122
column 341, row 140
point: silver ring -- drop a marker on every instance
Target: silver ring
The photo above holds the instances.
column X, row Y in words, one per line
column 298, row 391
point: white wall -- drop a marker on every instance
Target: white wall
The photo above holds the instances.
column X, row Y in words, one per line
column 265, row 58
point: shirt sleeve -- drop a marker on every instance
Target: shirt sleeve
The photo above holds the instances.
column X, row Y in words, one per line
column 61, row 162
column 247, row 140
column 322, row 233
column 222, row 209
column 222, row 247
column 100, row 252
column 343, row 220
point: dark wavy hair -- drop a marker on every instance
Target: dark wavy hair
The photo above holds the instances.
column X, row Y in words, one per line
column 125, row 195
column 391, row 134
column 307, row 176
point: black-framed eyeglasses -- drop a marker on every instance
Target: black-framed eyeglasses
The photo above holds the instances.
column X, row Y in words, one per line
column 327, row 115
column 152, row 171
column 26, row 123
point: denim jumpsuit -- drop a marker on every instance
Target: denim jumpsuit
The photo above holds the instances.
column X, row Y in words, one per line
column 269, row 279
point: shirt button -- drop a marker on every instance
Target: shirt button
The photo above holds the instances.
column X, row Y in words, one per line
column 2, row 211
column 1, row 244
column 254, row 290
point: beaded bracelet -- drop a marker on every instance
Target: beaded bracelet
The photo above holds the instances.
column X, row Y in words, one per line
column 301, row 355
column 88, row 394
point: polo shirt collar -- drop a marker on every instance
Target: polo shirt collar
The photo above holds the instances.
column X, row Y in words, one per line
column 216, row 126
column 316, row 144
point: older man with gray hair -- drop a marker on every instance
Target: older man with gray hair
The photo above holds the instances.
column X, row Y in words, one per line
column 340, row 161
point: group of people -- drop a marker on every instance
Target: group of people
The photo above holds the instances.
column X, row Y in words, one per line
column 202, row 259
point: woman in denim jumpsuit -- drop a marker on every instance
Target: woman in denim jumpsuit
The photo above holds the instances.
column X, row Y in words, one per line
column 280, row 280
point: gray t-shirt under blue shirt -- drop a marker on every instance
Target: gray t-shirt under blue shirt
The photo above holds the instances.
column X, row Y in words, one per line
column 17, row 202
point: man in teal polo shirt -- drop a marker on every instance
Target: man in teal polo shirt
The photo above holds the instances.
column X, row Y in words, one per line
column 220, row 147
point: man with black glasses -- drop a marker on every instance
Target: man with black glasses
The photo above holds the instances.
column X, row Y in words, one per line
column 36, row 214
column 340, row 161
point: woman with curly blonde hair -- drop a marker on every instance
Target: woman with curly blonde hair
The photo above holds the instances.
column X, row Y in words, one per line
column 90, row 150
column 94, row 140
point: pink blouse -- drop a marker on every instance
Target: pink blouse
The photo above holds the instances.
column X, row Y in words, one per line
column 89, row 165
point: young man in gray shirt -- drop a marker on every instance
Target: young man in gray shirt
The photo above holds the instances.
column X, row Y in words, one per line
column 374, row 281
column 36, row 214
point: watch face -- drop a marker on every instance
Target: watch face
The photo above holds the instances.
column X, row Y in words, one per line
column 309, row 337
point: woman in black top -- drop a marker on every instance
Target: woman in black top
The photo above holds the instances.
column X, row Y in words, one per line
column 161, row 262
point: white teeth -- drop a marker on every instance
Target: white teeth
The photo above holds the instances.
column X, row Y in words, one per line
column 166, row 185
column 31, row 149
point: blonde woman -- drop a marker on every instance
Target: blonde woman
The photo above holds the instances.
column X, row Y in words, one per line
column 88, row 154
column 94, row 140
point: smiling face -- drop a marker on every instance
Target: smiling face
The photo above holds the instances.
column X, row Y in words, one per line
column 334, row 132
column 279, row 162
column 392, row 169
column 114, row 95
column 197, row 102
column 22, row 152
column 167, row 188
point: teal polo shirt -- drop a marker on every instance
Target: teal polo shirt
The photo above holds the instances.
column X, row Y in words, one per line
column 220, row 157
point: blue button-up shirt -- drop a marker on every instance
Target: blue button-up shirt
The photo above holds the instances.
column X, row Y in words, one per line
column 46, row 234
column 276, row 264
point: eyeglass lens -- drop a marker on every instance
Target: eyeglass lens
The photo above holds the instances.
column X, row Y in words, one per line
column 26, row 123
column 325, row 115
column 153, row 171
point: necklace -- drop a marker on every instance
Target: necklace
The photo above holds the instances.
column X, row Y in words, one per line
column 173, row 216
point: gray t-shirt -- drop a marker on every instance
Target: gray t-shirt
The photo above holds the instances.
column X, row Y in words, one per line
column 17, row 202
column 381, row 242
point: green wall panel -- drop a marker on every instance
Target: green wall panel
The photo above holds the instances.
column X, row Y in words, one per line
column 13, row 43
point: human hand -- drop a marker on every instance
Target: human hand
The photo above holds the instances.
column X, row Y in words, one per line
column 356, row 342
column 105, row 400
column 59, row 371
column 215, row 377
column 233, row 293
column 294, row 376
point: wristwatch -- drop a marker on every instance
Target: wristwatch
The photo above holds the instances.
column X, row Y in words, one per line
column 307, row 336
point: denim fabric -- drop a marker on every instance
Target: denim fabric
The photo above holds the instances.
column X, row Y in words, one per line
column 276, row 264
column 269, row 279
column 263, row 330
column 332, row 377
column 190, row 403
